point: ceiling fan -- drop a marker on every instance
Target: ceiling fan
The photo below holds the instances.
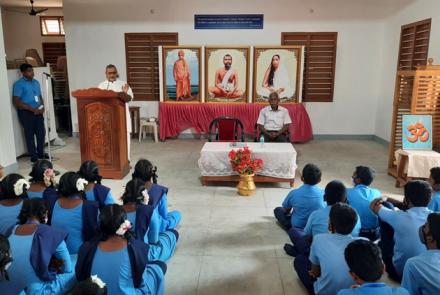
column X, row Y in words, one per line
column 34, row 11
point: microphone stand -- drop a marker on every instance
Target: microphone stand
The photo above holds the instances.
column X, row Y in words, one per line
column 46, row 77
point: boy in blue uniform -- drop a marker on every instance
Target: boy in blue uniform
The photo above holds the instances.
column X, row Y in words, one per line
column 335, row 192
column 30, row 108
column 301, row 202
column 400, row 229
column 434, row 179
column 421, row 274
column 366, row 267
column 360, row 197
column 325, row 271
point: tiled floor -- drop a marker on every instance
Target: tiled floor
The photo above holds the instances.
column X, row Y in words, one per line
column 230, row 244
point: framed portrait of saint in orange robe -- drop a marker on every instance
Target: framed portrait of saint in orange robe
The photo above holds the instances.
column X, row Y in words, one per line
column 181, row 67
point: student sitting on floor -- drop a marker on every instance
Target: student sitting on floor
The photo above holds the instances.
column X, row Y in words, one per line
column 400, row 229
column 421, row 274
column 360, row 197
column 41, row 263
column 42, row 180
column 146, row 222
column 92, row 286
column 72, row 212
column 14, row 188
column 434, row 179
column 145, row 171
column 325, row 270
column 95, row 191
column 317, row 223
column 119, row 259
column 366, row 267
column 301, row 202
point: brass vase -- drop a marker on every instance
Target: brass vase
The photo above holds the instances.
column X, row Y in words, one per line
column 246, row 186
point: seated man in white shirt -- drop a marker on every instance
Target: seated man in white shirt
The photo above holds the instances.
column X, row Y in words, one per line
column 112, row 83
column 274, row 120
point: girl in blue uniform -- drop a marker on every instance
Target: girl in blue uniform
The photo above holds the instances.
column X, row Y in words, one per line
column 41, row 263
column 14, row 189
column 71, row 212
column 119, row 259
column 145, row 171
column 42, row 180
column 147, row 223
column 95, row 191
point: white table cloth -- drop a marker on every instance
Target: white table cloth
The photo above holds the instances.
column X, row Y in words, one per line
column 419, row 163
column 279, row 159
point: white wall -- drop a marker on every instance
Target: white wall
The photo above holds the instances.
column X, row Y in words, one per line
column 22, row 31
column 7, row 146
column 95, row 37
column 417, row 11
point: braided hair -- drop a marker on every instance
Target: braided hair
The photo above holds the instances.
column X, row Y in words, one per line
column 68, row 185
column 133, row 191
column 145, row 171
column 89, row 170
column 8, row 187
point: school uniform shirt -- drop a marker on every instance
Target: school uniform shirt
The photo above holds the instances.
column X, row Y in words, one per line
column 71, row 221
column 327, row 251
column 116, row 86
column 435, row 202
column 422, row 273
column 8, row 217
column 304, row 200
column 374, row 289
column 360, row 197
column 274, row 120
column 406, row 226
column 29, row 92
column 318, row 223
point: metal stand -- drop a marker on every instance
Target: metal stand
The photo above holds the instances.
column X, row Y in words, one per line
column 47, row 113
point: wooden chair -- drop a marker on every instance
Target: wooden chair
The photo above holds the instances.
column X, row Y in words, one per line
column 226, row 129
column 257, row 133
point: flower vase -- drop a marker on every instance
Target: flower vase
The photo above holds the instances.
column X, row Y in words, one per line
column 246, row 186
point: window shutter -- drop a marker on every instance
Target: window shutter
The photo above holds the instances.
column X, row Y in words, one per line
column 141, row 52
column 319, row 63
column 414, row 44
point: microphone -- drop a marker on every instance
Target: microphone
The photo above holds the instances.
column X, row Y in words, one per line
column 48, row 75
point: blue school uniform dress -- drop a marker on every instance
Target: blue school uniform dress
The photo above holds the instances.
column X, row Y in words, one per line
column 30, row 267
column 101, row 194
column 360, row 198
column 318, row 223
column 8, row 218
column 327, row 251
column 434, row 205
column 421, row 275
column 159, row 200
column 80, row 223
column 49, row 192
column 304, row 200
column 374, row 289
column 147, row 229
column 406, row 226
column 126, row 271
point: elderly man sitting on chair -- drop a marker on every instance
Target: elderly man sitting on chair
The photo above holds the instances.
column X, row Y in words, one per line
column 274, row 120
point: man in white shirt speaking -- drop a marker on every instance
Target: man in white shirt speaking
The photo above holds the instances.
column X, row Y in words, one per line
column 274, row 120
column 112, row 83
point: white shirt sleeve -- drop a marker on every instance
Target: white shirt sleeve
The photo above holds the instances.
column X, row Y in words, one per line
column 103, row 85
column 287, row 119
column 130, row 92
column 261, row 118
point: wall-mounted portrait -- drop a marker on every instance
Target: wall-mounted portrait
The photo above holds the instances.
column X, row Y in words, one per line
column 277, row 69
column 226, row 74
column 181, row 73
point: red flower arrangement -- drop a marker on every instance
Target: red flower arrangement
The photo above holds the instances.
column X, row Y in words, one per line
column 242, row 162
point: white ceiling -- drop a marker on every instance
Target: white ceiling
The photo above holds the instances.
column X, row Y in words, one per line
column 26, row 3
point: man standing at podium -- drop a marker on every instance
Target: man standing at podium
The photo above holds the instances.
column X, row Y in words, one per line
column 112, row 83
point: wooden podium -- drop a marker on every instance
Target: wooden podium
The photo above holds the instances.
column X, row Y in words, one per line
column 103, row 130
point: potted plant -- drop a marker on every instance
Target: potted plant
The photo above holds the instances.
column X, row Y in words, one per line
column 243, row 163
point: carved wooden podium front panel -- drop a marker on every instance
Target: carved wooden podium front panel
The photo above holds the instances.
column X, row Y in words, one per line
column 102, row 129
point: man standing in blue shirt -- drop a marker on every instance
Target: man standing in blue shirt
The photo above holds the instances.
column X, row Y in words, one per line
column 401, row 242
column 29, row 103
column 301, row 202
column 360, row 197
column 421, row 274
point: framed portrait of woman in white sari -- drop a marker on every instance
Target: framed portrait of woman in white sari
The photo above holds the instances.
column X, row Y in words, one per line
column 278, row 69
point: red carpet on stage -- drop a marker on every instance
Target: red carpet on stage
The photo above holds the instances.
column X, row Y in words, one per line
column 176, row 117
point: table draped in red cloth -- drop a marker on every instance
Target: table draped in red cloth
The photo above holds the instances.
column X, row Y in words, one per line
column 176, row 117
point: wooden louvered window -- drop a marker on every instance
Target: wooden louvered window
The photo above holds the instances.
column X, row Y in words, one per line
column 319, row 63
column 141, row 53
column 414, row 44
column 51, row 52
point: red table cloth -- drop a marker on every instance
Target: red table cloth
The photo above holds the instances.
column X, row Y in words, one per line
column 176, row 117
